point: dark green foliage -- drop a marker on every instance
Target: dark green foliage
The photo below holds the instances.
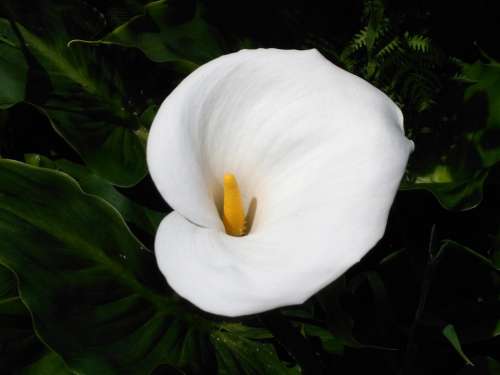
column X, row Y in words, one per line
column 401, row 63
column 13, row 68
column 95, row 294
column 80, row 82
column 162, row 40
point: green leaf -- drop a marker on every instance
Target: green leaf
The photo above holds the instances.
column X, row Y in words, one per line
column 112, row 150
column 86, row 279
column 144, row 218
column 457, row 178
column 329, row 342
column 49, row 364
column 454, row 192
column 8, row 287
column 238, row 354
column 450, row 334
column 21, row 352
column 163, row 40
column 13, row 68
column 253, row 333
column 484, row 78
column 86, row 99
column 454, row 160
column 96, row 295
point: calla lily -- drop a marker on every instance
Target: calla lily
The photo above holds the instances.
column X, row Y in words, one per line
column 313, row 153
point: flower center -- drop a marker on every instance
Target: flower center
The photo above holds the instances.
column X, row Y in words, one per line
column 233, row 215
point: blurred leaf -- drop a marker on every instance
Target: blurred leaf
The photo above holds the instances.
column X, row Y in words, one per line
column 163, row 40
column 450, row 333
column 13, row 68
column 236, row 354
column 144, row 218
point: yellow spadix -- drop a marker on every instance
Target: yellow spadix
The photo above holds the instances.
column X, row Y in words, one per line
column 233, row 214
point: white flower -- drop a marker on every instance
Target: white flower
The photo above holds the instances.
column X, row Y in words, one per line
column 318, row 154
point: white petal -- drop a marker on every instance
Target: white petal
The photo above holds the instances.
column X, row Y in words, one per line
column 321, row 151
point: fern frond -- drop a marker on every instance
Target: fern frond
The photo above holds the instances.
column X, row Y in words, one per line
column 359, row 40
column 389, row 48
column 419, row 43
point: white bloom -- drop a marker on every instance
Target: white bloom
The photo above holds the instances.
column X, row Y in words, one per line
column 320, row 152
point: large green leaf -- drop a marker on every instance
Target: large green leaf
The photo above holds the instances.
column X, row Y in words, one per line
column 13, row 68
column 162, row 39
column 96, row 295
column 86, row 100
column 144, row 218
column 85, row 277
